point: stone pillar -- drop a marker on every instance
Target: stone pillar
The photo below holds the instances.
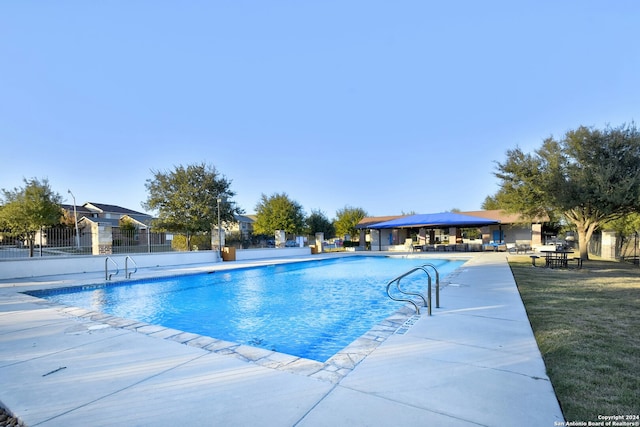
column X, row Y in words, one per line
column 319, row 242
column 609, row 244
column 101, row 239
column 280, row 238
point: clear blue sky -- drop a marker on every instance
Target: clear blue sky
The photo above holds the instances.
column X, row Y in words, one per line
column 388, row 106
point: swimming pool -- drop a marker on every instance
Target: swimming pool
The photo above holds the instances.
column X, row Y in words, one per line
column 310, row 309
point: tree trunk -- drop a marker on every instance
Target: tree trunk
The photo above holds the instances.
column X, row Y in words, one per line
column 583, row 241
column 585, row 225
column 585, row 231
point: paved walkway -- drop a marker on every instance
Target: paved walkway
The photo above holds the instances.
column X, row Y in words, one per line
column 475, row 362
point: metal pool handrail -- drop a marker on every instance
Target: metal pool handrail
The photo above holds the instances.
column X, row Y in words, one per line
column 107, row 276
column 427, row 301
column 437, row 282
column 126, row 267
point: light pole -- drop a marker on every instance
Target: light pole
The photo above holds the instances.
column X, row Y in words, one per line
column 75, row 217
column 219, row 233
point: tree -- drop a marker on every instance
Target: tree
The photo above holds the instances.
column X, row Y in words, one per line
column 318, row 222
column 68, row 219
column 490, row 203
column 346, row 220
column 624, row 226
column 26, row 210
column 187, row 199
column 128, row 230
column 278, row 212
column 589, row 177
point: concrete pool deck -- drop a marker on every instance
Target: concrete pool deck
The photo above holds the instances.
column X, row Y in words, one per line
column 474, row 362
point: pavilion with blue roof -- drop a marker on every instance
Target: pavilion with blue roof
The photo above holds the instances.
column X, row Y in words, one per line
column 445, row 231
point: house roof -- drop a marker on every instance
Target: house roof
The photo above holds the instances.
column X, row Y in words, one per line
column 102, row 207
column 142, row 219
column 108, row 221
column 367, row 222
column 505, row 217
column 79, row 209
column 245, row 218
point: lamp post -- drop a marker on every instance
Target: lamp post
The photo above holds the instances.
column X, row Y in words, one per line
column 75, row 217
column 219, row 233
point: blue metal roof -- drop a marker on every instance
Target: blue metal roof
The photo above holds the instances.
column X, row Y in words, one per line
column 443, row 219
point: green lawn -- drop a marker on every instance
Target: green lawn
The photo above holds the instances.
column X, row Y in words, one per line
column 587, row 325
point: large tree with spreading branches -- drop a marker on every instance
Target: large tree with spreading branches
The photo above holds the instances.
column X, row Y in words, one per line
column 589, row 177
column 278, row 212
column 186, row 199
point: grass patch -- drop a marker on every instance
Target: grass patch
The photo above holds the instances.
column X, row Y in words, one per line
column 587, row 323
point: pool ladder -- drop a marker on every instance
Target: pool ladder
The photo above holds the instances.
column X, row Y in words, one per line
column 427, row 302
column 107, row 275
column 126, row 267
column 127, row 274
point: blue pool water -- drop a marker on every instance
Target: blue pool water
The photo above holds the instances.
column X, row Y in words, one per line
column 308, row 309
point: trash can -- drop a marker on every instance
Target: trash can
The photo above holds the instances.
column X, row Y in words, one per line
column 228, row 253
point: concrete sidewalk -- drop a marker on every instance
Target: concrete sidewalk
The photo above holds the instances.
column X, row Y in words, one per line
column 474, row 362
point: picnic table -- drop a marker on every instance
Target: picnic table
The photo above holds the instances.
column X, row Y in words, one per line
column 556, row 259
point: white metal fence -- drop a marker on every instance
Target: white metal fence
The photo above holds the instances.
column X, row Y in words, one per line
column 62, row 241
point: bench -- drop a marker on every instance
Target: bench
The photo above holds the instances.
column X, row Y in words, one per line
column 578, row 260
column 533, row 259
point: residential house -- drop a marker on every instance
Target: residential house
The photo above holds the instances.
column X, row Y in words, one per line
column 243, row 225
column 100, row 227
column 113, row 212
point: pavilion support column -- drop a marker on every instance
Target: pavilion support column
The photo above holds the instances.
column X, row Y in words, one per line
column 422, row 236
column 536, row 234
column 486, row 234
column 455, row 231
column 376, row 244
